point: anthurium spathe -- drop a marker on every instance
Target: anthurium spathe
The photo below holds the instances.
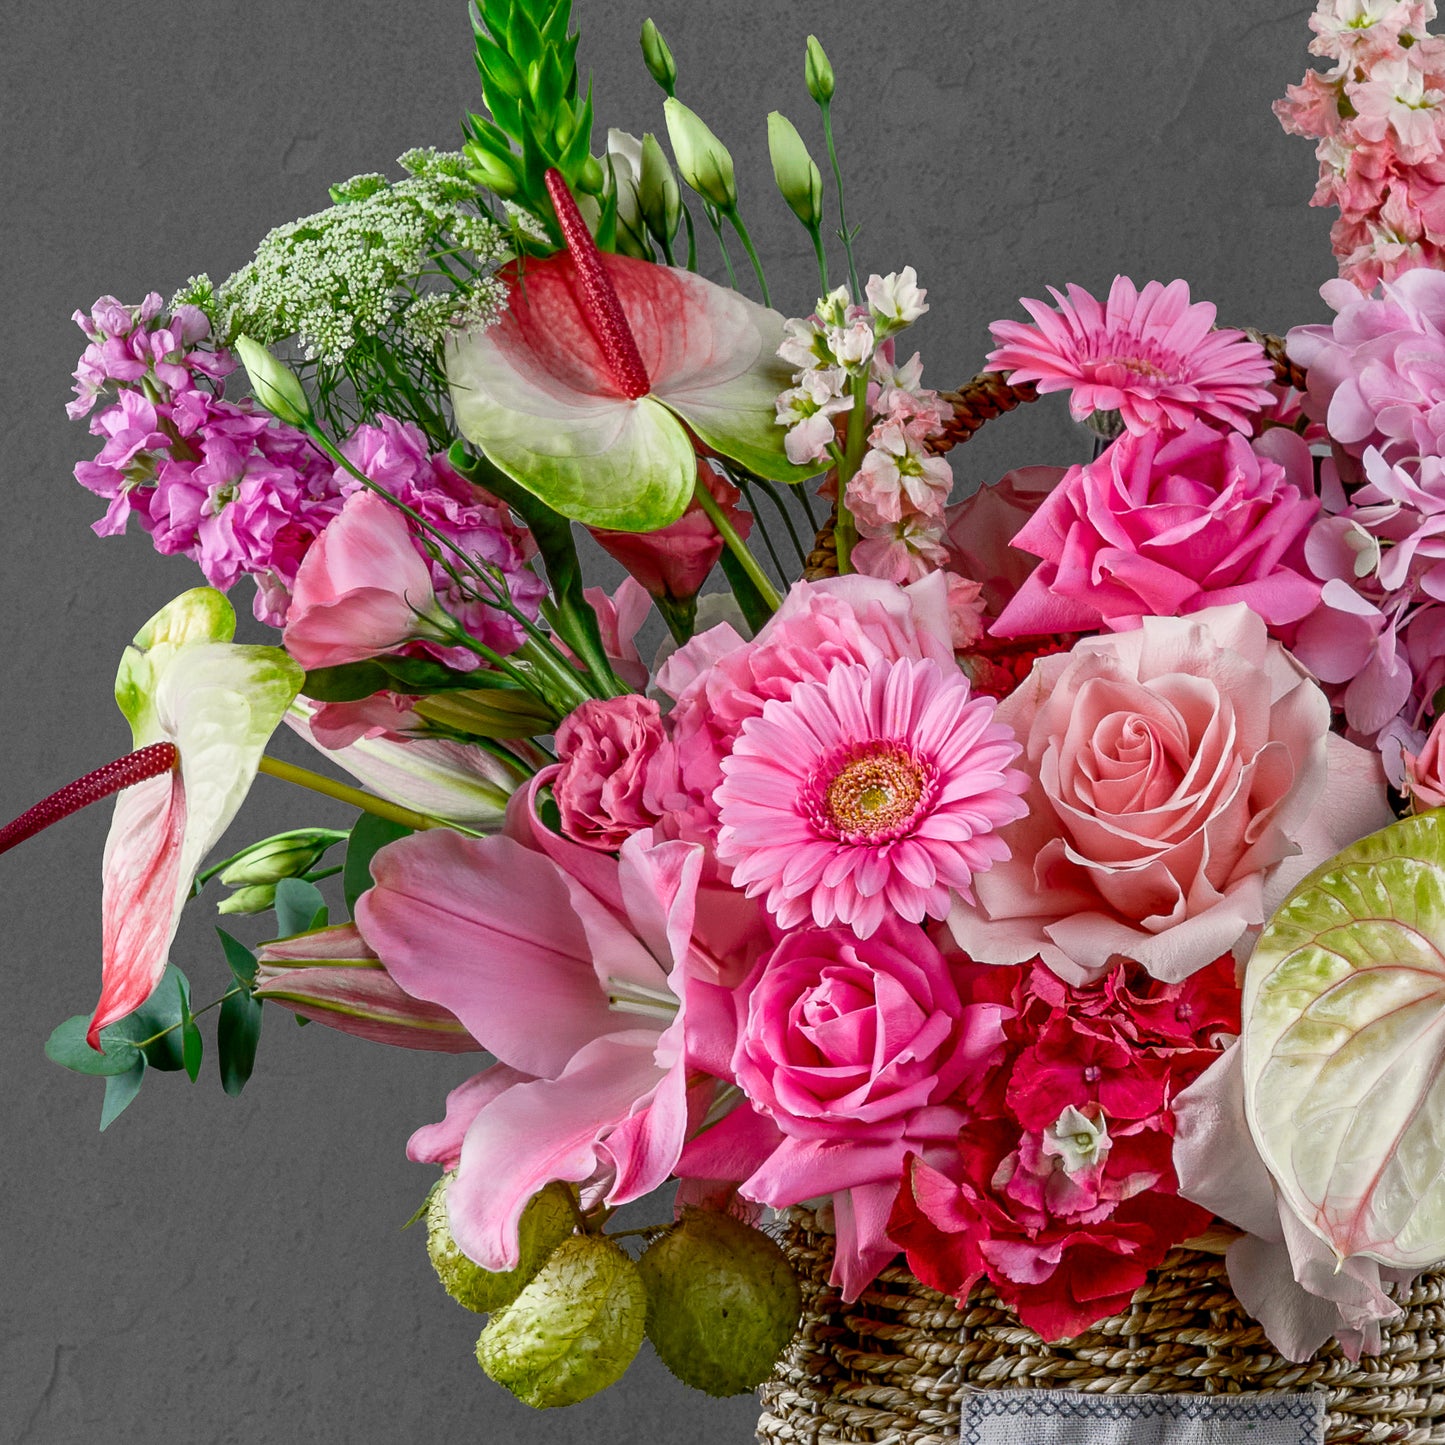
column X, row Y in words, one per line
column 1344, row 1046
column 591, row 387
column 207, row 706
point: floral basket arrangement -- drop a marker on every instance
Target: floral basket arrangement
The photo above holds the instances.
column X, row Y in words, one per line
column 1015, row 922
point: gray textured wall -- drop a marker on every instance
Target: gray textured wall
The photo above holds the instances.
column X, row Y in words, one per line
column 214, row 1270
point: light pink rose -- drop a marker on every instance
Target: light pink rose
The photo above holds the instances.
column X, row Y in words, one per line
column 361, row 590
column 1425, row 772
column 982, row 526
column 719, row 680
column 1161, row 525
column 1174, row 769
column 615, row 761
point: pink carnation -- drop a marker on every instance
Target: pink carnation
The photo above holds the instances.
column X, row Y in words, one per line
column 614, row 759
column 1163, row 525
column 1173, row 771
column 1149, row 355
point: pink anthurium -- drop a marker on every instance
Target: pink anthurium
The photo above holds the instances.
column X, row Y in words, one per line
column 590, row 389
column 201, row 709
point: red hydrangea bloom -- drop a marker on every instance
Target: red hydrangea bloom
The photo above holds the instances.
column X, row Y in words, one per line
column 1062, row 1189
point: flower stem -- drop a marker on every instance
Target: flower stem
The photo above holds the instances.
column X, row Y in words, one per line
column 816, row 232
column 736, row 221
column 204, row 1009
column 845, row 532
column 847, row 239
column 343, row 792
column 715, row 221
column 737, row 547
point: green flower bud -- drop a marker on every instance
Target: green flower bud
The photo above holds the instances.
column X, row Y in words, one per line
column 287, row 855
column 546, row 1221
column 573, row 1330
column 275, row 387
column 658, row 57
column 702, row 159
column 722, row 1302
column 591, row 179
column 799, row 180
column 658, row 192
column 818, row 73
column 492, row 172
column 255, row 899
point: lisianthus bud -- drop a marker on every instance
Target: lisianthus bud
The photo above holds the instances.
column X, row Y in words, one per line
column 546, row 1221
column 658, row 58
column 255, row 898
column 286, row 855
column 275, row 387
column 799, row 180
column 703, row 160
column 658, row 192
column 573, row 1330
column 722, row 1302
column 818, row 73
column 624, row 170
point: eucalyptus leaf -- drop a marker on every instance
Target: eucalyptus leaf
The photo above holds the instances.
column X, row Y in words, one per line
column 239, row 958
column 299, row 907
column 67, row 1047
column 368, row 837
column 120, row 1092
column 237, row 1035
column 191, row 1049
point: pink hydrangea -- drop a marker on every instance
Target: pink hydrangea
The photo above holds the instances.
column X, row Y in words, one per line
column 1152, row 356
column 877, row 792
column 719, row 681
column 1161, row 525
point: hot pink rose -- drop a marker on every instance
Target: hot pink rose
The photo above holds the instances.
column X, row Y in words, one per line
column 1161, row 525
column 1173, row 771
column 1425, row 773
column 361, row 589
column 615, row 759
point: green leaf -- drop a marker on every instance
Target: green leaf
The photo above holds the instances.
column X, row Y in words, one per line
column 368, row 836
column 239, row 959
column 349, row 682
column 191, row 1049
column 754, row 608
column 120, row 1091
column 299, row 907
column 237, row 1034
column 161, row 1012
column 67, row 1047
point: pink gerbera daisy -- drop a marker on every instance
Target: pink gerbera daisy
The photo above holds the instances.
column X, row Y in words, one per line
column 1149, row 355
column 877, row 791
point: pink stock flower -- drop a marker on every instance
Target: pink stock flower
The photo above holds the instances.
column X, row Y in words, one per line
column 876, row 792
column 675, row 561
column 361, row 590
column 615, row 762
column 719, row 681
column 1173, row 771
column 1162, row 525
column 1311, row 108
column 1149, row 355
column 331, row 977
column 900, row 552
column 576, row 971
column 898, row 477
column 1398, row 97
column 852, row 1054
column 1357, row 32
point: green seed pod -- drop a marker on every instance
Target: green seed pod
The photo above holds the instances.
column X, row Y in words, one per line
column 722, row 1302
column 658, row 58
column 799, row 181
column 818, row 73
column 573, row 1331
column 546, row 1221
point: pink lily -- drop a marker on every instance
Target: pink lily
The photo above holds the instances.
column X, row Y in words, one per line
column 574, row 969
column 331, row 976
column 201, row 709
column 603, row 370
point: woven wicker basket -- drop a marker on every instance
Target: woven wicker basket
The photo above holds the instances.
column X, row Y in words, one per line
column 894, row 1368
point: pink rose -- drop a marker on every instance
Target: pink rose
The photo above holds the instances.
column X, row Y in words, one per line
column 1174, row 768
column 981, row 527
column 614, row 758
column 1425, row 773
column 719, row 680
column 1161, row 525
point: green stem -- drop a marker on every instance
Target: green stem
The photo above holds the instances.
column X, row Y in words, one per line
column 736, row 221
column 180, row 1023
column 816, row 232
column 844, row 531
column 771, row 493
column 691, row 240
column 827, row 109
column 715, row 221
column 737, row 547
column 343, row 792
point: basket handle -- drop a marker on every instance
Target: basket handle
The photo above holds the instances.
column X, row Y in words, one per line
column 990, row 394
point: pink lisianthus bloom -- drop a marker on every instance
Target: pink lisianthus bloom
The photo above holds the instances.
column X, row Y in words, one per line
column 675, row 561
column 718, row 680
column 616, row 764
column 1173, row 772
column 852, row 1054
column 361, row 590
column 576, row 971
column 1149, row 355
column 1162, row 525
column 1062, row 1190
column 878, row 792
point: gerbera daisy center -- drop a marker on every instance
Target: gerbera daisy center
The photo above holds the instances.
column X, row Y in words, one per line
column 871, row 788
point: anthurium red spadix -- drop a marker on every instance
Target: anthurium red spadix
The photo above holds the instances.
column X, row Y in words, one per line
column 591, row 388
column 201, row 709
